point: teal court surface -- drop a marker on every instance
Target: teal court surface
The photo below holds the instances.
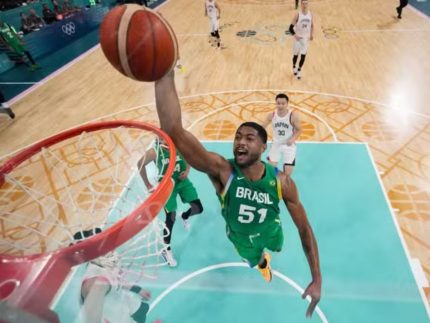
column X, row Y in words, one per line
column 366, row 273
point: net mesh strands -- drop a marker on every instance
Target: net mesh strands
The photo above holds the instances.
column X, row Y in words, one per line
column 75, row 182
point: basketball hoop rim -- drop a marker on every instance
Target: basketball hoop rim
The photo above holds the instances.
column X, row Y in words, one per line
column 99, row 243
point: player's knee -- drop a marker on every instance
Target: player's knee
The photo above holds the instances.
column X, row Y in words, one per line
column 95, row 286
column 85, row 288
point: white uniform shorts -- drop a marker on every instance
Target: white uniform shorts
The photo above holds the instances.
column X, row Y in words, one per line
column 283, row 152
column 300, row 46
column 119, row 304
column 104, row 275
column 213, row 24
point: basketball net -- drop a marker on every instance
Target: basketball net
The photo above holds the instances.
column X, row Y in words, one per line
column 75, row 182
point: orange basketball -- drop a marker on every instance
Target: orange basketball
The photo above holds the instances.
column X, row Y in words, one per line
column 138, row 42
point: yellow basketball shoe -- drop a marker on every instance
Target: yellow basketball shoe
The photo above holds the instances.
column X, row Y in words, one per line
column 266, row 271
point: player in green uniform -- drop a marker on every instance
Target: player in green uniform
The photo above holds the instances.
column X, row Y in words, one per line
column 248, row 188
column 15, row 43
column 251, row 211
column 183, row 187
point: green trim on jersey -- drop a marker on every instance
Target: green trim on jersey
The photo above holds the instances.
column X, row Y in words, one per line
column 8, row 33
column 163, row 160
column 251, row 207
column 10, row 36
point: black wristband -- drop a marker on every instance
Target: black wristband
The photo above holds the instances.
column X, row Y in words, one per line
column 135, row 289
column 291, row 30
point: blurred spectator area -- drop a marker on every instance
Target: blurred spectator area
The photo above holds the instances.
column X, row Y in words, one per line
column 12, row 16
column 54, row 36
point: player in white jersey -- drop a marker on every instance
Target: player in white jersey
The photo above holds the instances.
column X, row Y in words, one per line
column 286, row 129
column 104, row 297
column 213, row 12
column 302, row 29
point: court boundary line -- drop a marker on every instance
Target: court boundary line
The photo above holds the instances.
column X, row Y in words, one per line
column 49, row 77
column 299, row 142
column 62, row 69
column 385, row 105
column 418, row 12
column 397, row 226
column 17, row 83
column 376, row 103
column 160, row 5
column 401, row 30
column 258, row 101
column 206, row 269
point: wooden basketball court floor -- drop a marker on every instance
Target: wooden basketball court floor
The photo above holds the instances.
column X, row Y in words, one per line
column 365, row 80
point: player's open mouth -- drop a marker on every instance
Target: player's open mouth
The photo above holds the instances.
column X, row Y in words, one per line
column 241, row 153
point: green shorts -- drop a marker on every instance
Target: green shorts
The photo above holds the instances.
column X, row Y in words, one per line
column 251, row 247
column 17, row 47
column 186, row 190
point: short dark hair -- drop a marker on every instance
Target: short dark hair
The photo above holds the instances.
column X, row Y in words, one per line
column 262, row 133
column 282, row 96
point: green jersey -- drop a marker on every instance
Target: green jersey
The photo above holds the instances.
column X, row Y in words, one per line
column 251, row 207
column 163, row 160
column 10, row 36
column 8, row 33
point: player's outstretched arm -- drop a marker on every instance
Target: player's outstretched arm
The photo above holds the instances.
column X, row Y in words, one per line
column 169, row 113
column 309, row 243
column 150, row 156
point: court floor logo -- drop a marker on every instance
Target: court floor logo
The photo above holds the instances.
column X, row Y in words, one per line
column 331, row 32
column 267, row 35
column 246, row 33
column 68, row 28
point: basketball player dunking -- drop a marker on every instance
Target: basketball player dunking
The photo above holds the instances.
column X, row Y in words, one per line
column 302, row 29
